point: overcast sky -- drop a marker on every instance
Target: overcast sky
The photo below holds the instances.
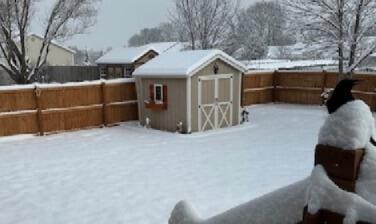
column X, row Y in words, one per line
column 118, row 20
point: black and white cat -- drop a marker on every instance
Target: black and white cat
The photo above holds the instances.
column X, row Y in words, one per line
column 351, row 125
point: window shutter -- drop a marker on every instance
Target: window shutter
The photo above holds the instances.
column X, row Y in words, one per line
column 151, row 92
column 165, row 96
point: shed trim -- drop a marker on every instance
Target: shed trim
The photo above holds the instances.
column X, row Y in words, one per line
column 240, row 99
column 162, row 66
column 189, row 105
column 218, row 56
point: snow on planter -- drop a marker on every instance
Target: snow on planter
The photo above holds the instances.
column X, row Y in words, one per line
column 350, row 127
column 322, row 193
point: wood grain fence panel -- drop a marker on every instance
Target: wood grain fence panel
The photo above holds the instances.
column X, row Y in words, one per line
column 257, row 97
column 63, row 97
column 332, row 80
column 52, row 98
column 298, row 96
column 66, row 107
column 22, row 123
column 258, row 80
column 299, row 79
column 53, row 121
column 121, row 113
column 368, row 98
column 120, row 92
column 16, row 100
column 71, row 119
column 367, row 83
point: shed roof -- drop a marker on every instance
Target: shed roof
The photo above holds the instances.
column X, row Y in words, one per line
column 123, row 55
column 184, row 63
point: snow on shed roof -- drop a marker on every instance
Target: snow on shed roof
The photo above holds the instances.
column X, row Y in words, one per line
column 124, row 55
column 184, row 63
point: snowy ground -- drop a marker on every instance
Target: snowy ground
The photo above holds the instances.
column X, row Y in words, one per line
column 128, row 174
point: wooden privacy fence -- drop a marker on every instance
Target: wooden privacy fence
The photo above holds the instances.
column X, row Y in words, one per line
column 50, row 108
column 301, row 87
column 64, row 74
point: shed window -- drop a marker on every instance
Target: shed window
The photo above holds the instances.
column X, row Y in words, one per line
column 158, row 96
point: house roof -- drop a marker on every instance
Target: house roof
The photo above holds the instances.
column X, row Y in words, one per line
column 128, row 55
column 287, row 64
column 164, row 47
column 54, row 43
column 124, row 55
column 184, row 63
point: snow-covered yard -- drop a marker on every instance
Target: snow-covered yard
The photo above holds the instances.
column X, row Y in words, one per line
column 128, row 174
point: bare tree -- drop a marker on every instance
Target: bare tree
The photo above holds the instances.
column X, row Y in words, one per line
column 255, row 28
column 66, row 18
column 165, row 32
column 338, row 24
column 205, row 22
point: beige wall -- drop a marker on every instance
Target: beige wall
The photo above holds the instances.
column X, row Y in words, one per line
column 177, row 104
column 147, row 57
column 224, row 68
column 56, row 55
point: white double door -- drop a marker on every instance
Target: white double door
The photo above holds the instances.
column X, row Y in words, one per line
column 215, row 102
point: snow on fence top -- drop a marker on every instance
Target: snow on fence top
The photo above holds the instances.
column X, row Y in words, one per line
column 184, row 64
column 69, row 84
column 286, row 64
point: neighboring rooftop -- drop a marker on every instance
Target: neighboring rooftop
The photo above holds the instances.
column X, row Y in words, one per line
column 288, row 64
column 123, row 55
column 184, row 63
column 299, row 51
column 164, row 47
column 129, row 55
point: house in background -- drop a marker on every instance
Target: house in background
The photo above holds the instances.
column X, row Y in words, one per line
column 58, row 54
column 121, row 62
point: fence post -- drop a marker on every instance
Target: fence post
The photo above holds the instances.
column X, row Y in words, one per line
column 104, row 103
column 324, row 83
column 342, row 167
column 242, row 92
column 38, row 94
column 274, row 86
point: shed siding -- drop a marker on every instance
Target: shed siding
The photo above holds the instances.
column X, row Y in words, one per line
column 177, row 104
column 224, row 68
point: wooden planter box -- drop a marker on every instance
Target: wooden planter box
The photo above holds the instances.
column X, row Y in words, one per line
column 339, row 163
column 155, row 106
column 324, row 216
column 342, row 167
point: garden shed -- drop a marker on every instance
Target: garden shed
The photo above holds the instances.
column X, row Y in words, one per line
column 190, row 91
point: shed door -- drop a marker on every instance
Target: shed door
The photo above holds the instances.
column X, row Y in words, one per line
column 215, row 98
